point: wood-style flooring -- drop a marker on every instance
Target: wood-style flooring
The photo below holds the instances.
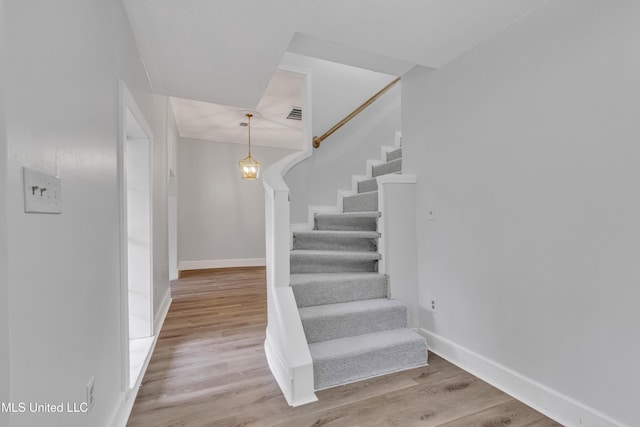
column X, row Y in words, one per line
column 209, row 369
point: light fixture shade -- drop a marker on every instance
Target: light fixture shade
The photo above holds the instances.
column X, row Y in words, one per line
column 249, row 168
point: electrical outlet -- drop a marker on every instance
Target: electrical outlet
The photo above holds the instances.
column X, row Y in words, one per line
column 431, row 212
column 432, row 304
column 91, row 385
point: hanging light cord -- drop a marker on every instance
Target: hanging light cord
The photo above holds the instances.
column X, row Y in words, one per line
column 249, row 128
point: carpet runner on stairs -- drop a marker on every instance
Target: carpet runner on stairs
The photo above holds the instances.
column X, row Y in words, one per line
column 353, row 329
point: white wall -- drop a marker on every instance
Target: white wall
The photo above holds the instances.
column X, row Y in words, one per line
column 172, row 141
column 337, row 90
column 5, row 395
column 64, row 61
column 5, row 376
column 527, row 148
column 220, row 216
column 4, row 289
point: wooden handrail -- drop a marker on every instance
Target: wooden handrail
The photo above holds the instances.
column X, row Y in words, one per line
column 317, row 140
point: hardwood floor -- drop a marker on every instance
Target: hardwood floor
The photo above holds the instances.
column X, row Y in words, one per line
column 209, row 369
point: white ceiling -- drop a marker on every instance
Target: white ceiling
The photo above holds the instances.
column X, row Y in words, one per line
column 270, row 126
column 226, row 51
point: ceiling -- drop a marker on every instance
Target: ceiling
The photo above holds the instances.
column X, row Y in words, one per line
column 224, row 123
column 225, row 52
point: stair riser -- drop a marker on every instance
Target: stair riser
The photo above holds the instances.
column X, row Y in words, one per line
column 366, row 202
column 346, row 224
column 336, row 243
column 368, row 185
column 336, row 292
column 393, row 166
column 395, row 154
column 329, row 373
column 356, row 323
column 319, row 265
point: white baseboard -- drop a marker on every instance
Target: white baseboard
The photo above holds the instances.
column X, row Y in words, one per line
column 129, row 397
column 221, row 263
column 124, row 410
column 553, row 404
column 162, row 312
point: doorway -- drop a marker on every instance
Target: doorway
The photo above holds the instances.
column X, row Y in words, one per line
column 136, row 240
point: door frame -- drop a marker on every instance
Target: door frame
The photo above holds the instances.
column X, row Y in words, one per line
column 126, row 101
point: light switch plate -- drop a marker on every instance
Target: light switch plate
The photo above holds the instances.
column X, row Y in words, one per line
column 42, row 192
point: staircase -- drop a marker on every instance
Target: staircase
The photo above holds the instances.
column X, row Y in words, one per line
column 354, row 331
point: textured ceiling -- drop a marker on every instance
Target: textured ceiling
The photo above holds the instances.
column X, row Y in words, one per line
column 270, row 127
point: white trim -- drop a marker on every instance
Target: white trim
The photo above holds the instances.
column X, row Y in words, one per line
column 280, row 371
column 278, row 367
column 125, row 406
column 397, row 179
column 163, row 310
column 124, row 95
column 126, row 101
column 203, row 264
column 550, row 402
column 398, row 139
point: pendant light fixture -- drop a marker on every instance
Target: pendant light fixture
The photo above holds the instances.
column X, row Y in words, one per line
column 249, row 167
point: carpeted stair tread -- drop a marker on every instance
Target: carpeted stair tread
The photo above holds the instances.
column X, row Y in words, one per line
column 368, row 185
column 331, row 288
column 314, row 261
column 347, row 221
column 331, row 321
column 361, row 202
column 336, row 240
column 350, row 359
column 395, row 154
column 392, row 166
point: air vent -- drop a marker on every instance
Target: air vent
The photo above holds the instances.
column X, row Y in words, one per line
column 295, row 114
